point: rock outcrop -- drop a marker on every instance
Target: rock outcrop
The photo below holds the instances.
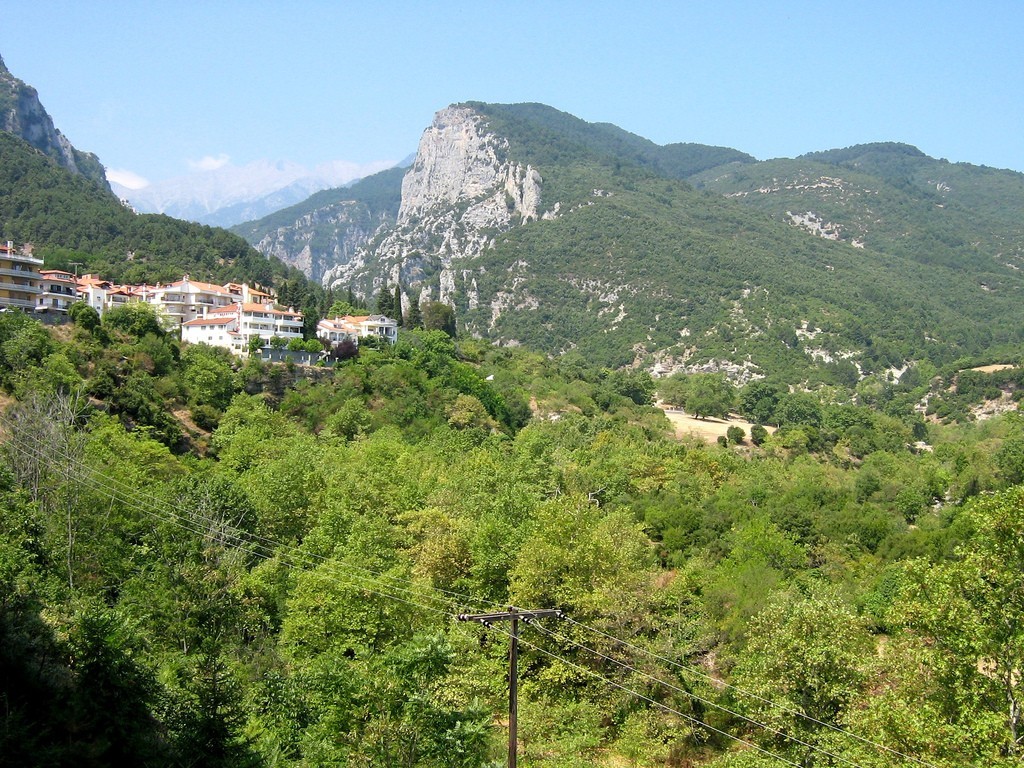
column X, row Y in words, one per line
column 22, row 115
column 349, row 225
column 460, row 192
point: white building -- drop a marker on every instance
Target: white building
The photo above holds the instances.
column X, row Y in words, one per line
column 187, row 299
column 337, row 329
column 59, row 291
column 233, row 326
column 217, row 331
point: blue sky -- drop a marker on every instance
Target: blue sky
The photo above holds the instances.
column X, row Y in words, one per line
column 155, row 88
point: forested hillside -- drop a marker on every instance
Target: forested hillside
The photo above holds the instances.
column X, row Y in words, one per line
column 204, row 562
column 69, row 218
column 545, row 230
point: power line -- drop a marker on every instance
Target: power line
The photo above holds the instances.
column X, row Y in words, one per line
column 689, row 718
column 264, row 548
column 748, row 694
column 254, row 544
column 695, row 697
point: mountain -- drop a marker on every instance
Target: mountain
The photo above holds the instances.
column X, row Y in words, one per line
column 230, row 194
column 545, row 230
column 56, row 197
column 22, row 115
column 327, row 229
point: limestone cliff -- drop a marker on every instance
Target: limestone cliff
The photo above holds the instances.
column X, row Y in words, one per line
column 325, row 238
column 22, row 115
column 461, row 191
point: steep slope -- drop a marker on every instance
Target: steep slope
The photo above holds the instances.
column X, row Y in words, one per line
column 327, row 229
column 22, row 115
column 67, row 217
column 543, row 229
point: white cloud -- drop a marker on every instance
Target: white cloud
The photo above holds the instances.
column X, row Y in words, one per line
column 209, row 163
column 126, row 179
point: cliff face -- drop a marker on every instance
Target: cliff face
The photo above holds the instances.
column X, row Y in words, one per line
column 22, row 115
column 326, row 238
column 460, row 193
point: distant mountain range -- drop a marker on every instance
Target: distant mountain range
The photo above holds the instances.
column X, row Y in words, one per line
column 545, row 230
column 230, row 194
column 56, row 197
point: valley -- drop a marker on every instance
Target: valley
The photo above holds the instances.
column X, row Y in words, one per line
column 213, row 556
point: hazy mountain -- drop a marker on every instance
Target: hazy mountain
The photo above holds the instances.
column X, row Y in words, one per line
column 56, row 198
column 328, row 229
column 229, row 194
column 546, row 230
column 22, row 115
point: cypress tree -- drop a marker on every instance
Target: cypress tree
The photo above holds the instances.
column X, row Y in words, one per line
column 397, row 303
column 415, row 316
column 385, row 303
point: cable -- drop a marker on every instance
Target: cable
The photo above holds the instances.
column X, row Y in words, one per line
column 666, row 707
column 788, row 710
column 240, row 541
column 255, row 542
column 695, row 697
column 265, row 548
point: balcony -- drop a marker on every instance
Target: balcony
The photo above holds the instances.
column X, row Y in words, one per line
column 20, row 259
column 19, row 288
column 20, row 303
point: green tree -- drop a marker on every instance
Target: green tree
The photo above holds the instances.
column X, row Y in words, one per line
column 396, row 304
column 969, row 613
column 84, row 316
column 415, row 318
column 805, row 658
column 385, row 302
column 673, row 390
column 208, row 376
column 710, row 394
column 438, row 316
column 758, row 434
column 136, row 319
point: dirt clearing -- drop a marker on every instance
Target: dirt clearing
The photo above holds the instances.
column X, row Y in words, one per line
column 707, row 430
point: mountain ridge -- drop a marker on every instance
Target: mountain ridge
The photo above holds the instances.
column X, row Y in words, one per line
column 630, row 252
column 23, row 115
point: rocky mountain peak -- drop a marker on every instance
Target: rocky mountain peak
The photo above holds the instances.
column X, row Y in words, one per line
column 461, row 190
column 22, row 115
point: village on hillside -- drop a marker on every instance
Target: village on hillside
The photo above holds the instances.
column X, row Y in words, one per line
column 234, row 316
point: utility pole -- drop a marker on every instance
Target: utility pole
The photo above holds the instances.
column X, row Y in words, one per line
column 512, row 615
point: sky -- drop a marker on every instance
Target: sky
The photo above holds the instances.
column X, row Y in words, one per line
column 160, row 89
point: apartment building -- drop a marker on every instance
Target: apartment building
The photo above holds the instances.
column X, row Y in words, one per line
column 20, row 281
column 59, row 291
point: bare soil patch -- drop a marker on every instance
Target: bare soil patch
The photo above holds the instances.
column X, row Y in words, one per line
column 707, row 430
column 993, row 368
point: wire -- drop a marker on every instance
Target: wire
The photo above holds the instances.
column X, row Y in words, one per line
column 689, row 718
column 265, row 548
column 748, row 694
column 695, row 697
column 254, row 544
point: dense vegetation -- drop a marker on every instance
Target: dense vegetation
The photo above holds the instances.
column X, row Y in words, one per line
column 690, row 254
column 207, row 563
column 69, row 218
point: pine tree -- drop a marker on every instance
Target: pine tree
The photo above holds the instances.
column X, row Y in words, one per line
column 385, row 303
column 415, row 319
